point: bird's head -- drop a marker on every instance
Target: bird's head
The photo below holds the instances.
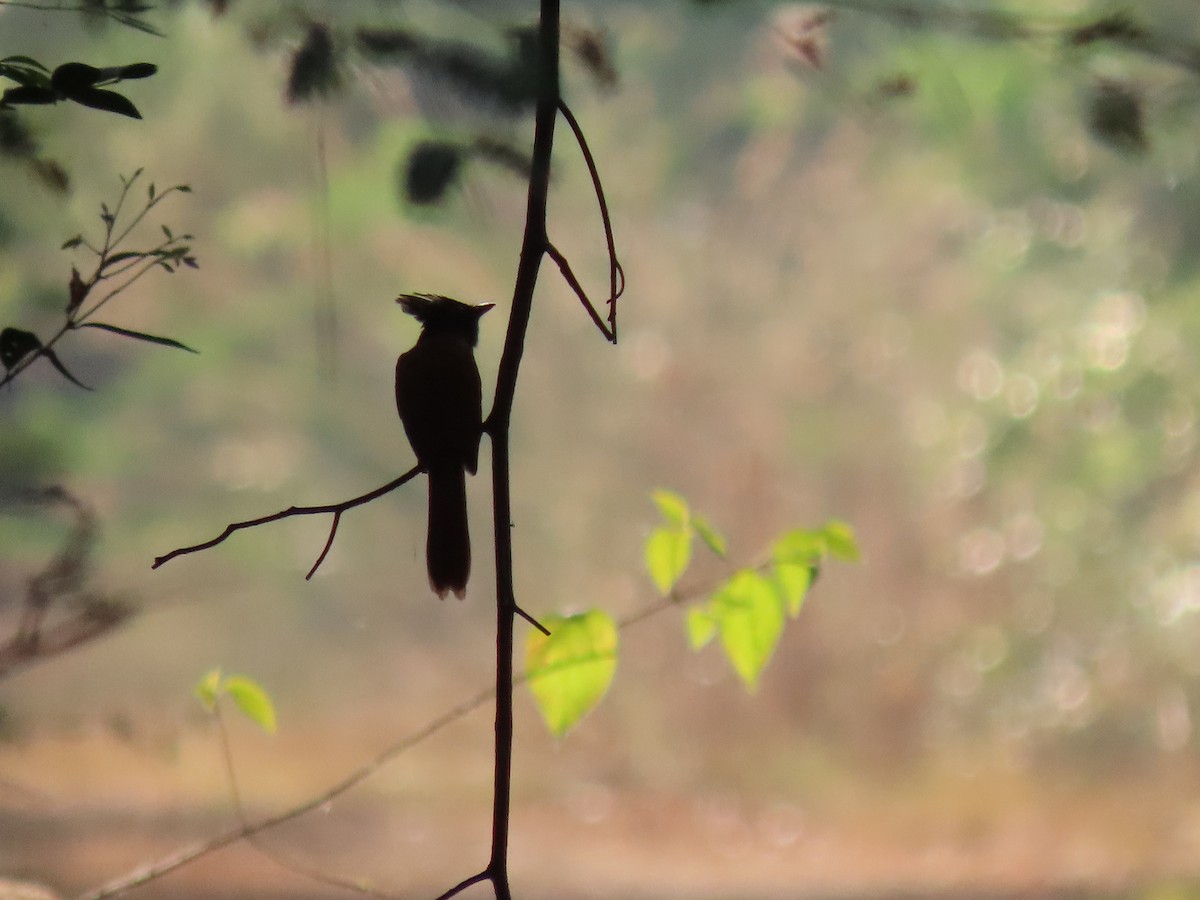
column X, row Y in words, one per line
column 443, row 314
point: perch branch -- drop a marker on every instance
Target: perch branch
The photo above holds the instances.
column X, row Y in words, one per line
column 334, row 509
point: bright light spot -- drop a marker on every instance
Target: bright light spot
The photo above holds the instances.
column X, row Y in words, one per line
column 1025, row 533
column 972, row 437
column 981, row 551
column 990, row 648
column 980, row 374
column 1008, row 240
column 1067, row 685
column 1178, row 594
column 1021, row 394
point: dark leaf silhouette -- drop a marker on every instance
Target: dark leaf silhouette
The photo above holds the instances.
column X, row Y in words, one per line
column 1118, row 28
column 51, row 173
column 75, row 76
column 314, row 69
column 15, row 345
column 137, row 70
column 54, row 361
column 139, row 335
column 432, row 169
column 386, row 45
column 77, row 290
column 109, row 101
column 29, row 94
column 1115, row 116
column 15, row 139
column 502, row 154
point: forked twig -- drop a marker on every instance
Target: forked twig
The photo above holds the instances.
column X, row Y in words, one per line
column 334, row 509
column 616, row 272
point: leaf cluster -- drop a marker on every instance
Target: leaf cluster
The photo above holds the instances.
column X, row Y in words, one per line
column 77, row 82
column 116, row 268
column 570, row 669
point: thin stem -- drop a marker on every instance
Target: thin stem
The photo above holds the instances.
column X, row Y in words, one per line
column 533, row 248
column 334, row 509
column 616, row 272
column 568, row 275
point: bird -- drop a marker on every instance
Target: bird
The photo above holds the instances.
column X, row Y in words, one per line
column 439, row 398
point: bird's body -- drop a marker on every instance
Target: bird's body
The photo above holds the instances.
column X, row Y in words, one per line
column 439, row 398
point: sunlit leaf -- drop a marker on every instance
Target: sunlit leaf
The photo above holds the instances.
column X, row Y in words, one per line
column 793, row 582
column 708, row 533
column 668, row 551
column 208, row 688
column 252, row 700
column 750, row 619
column 841, row 542
column 674, row 508
column 701, row 626
column 570, row 670
column 139, row 335
column 801, row 547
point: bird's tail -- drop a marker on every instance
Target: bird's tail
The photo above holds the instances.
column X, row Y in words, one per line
column 448, row 546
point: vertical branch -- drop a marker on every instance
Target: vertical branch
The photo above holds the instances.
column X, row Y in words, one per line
column 533, row 247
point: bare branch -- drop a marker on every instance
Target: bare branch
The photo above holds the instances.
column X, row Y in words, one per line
column 616, row 273
column 334, row 509
column 565, row 267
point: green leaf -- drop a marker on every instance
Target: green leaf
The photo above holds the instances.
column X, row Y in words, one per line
column 701, row 626
column 139, row 335
column 674, row 508
column 570, row 670
column 793, row 582
column 252, row 700
column 668, row 551
column 750, row 620
column 714, row 539
column 208, row 688
column 840, row 539
column 801, row 547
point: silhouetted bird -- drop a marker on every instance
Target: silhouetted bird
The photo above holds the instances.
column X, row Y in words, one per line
column 439, row 399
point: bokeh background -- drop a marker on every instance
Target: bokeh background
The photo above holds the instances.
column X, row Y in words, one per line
column 897, row 266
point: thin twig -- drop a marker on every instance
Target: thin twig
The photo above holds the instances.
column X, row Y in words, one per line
column 152, row 871
column 532, row 621
column 247, row 830
column 569, row 276
column 334, row 509
column 485, row 875
column 616, row 272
